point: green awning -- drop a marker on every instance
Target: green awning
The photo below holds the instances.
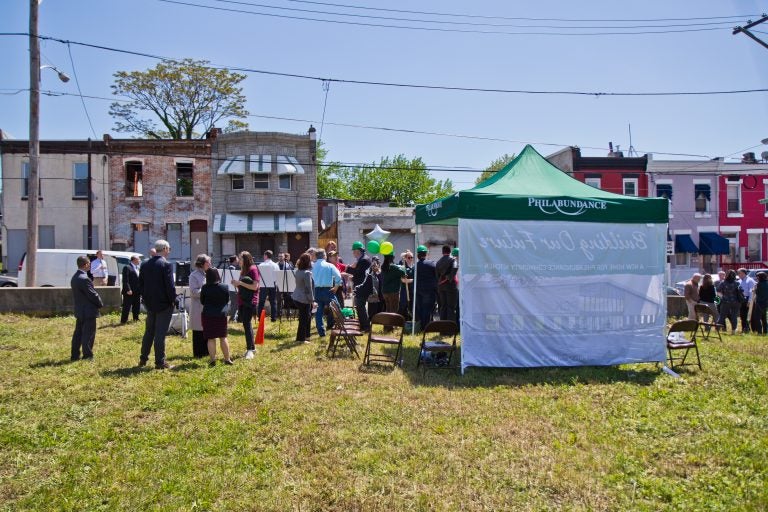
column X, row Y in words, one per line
column 531, row 188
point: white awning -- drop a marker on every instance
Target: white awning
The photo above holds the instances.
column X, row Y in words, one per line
column 288, row 165
column 261, row 164
column 260, row 223
column 233, row 165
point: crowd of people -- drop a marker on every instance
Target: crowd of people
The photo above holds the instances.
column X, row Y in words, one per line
column 373, row 284
column 731, row 299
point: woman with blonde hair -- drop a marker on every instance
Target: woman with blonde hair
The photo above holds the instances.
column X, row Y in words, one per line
column 247, row 298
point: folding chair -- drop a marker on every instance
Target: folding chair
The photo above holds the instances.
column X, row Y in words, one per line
column 343, row 330
column 392, row 338
column 702, row 311
column 682, row 336
column 437, row 352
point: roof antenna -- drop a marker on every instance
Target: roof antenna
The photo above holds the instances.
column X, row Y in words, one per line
column 631, row 151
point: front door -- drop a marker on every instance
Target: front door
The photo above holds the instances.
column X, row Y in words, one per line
column 298, row 243
column 198, row 238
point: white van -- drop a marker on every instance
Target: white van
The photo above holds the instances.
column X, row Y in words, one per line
column 55, row 267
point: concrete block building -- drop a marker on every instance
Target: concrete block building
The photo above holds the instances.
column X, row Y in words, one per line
column 264, row 193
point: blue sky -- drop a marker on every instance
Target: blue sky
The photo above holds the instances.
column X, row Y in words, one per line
column 707, row 60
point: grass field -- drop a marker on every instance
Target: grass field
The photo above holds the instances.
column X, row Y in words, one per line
column 294, row 430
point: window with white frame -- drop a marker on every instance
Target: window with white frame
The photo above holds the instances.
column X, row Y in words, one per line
column 80, row 179
column 285, row 181
column 237, row 181
column 592, row 181
column 755, row 246
column 734, row 196
column 702, row 195
column 629, row 186
column 681, row 259
column 25, row 181
column 664, row 190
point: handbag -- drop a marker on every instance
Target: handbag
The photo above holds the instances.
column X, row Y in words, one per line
column 374, row 296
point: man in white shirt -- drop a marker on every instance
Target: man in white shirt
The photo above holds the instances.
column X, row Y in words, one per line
column 267, row 288
column 99, row 270
column 747, row 285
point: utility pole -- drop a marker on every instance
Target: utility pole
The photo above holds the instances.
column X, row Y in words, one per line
column 90, row 200
column 34, row 144
column 745, row 30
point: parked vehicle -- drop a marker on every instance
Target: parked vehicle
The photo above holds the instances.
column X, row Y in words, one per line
column 6, row 280
column 56, row 266
column 753, row 273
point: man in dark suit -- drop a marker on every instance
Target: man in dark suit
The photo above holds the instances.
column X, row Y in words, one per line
column 130, row 290
column 87, row 304
column 159, row 293
column 426, row 287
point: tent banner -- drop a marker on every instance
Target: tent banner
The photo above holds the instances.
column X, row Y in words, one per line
column 561, row 293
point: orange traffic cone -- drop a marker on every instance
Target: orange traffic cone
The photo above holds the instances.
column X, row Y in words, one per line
column 260, row 330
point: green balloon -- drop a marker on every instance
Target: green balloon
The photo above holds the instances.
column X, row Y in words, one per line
column 373, row 247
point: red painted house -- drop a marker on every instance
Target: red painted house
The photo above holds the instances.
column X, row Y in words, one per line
column 613, row 173
column 742, row 219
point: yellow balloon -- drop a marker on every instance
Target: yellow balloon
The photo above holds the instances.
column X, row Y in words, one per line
column 387, row 248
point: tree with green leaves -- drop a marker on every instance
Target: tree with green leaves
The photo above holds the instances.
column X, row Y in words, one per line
column 494, row 167
column 187, row 97
column 398, row 180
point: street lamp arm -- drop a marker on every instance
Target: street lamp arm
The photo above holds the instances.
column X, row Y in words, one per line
column 62, row 76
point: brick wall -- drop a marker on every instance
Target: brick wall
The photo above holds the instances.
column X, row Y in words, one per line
column 159, row 204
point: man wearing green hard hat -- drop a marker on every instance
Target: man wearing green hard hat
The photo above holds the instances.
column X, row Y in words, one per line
column 362, row 285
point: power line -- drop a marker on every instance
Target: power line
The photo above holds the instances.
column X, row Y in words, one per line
column 432, row 29
column 374, row 166
column 480, row 24
column 407, row 85
column 433, row 13
column 80, row 92
column 391, row 129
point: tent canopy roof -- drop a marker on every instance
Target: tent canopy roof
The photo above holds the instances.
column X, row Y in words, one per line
column 531, row 188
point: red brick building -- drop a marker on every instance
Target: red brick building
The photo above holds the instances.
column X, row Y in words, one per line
column 613, row 173
column 160, row 189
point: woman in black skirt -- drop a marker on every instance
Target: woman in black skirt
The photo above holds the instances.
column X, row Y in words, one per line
column 215, row 298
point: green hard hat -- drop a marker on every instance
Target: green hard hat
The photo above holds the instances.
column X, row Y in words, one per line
column 356, row 246
column 421, row 248
column 455, row 251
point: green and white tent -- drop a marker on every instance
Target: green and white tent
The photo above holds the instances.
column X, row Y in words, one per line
column 554, row 272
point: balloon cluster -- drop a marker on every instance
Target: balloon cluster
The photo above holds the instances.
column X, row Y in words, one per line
column 383, row 248
column 378, row 243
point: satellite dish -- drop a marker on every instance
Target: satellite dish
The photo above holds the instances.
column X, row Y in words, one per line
column 764, row 155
